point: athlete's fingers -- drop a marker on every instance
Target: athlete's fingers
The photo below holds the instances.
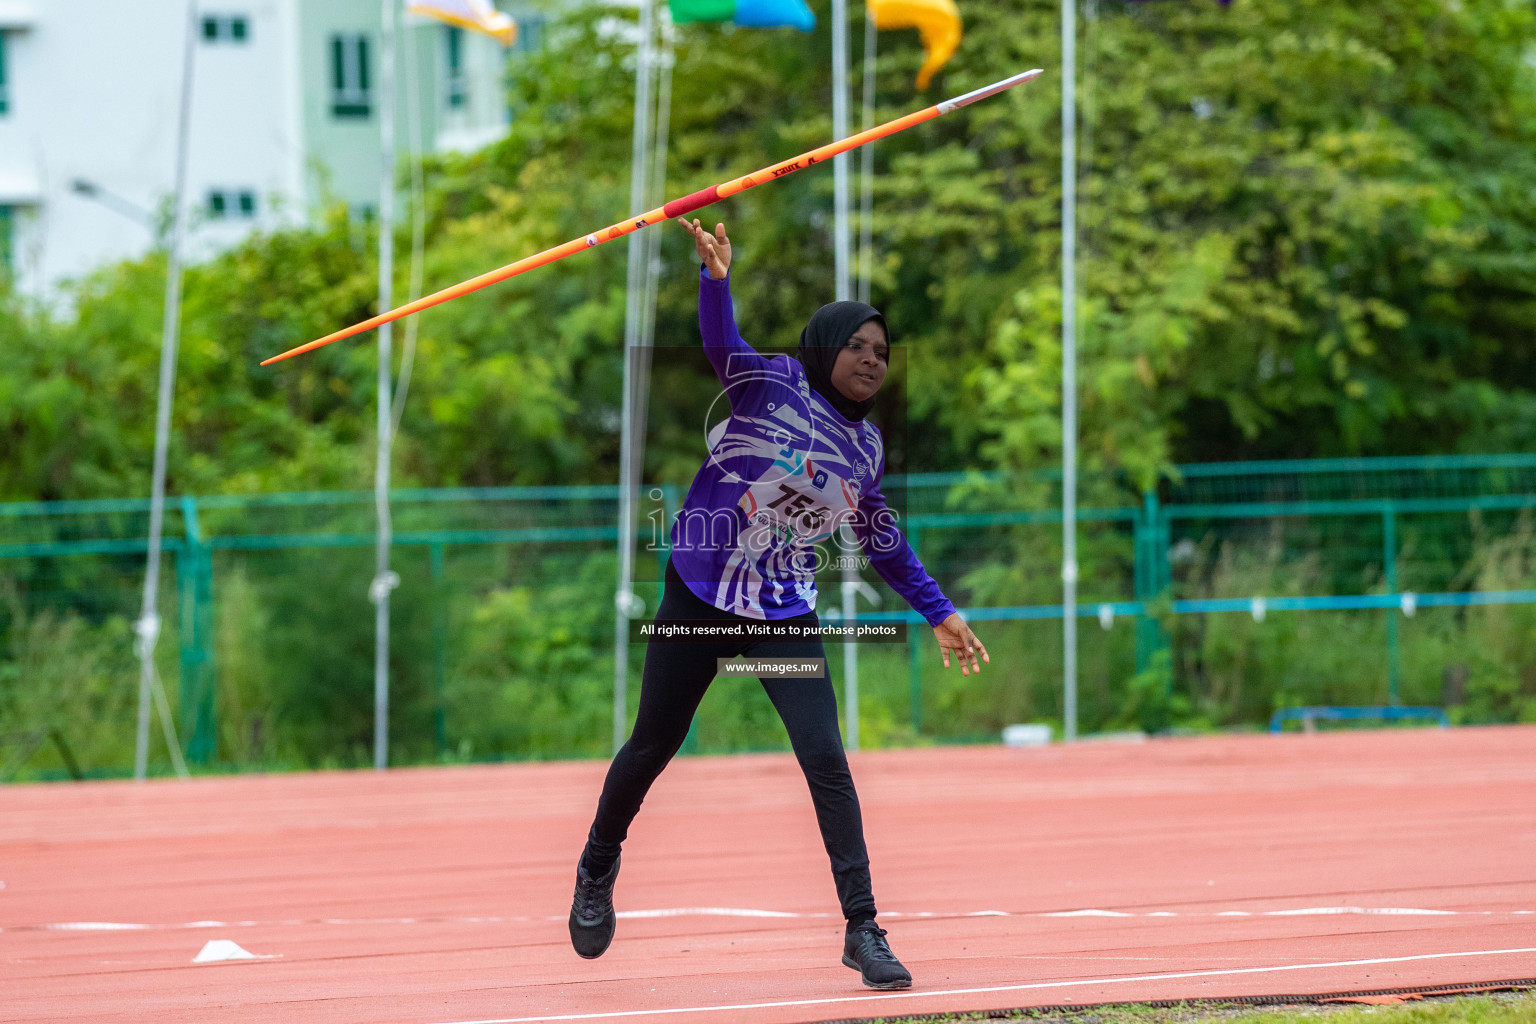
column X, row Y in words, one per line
column 944, row 652
column 975, row 645
column 720, row 234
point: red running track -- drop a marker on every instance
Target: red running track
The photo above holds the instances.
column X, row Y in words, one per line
column 1180, row 868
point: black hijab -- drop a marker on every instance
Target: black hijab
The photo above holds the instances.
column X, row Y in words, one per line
column 824, row 336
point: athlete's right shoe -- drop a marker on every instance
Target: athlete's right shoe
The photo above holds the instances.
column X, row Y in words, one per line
column 592, row 916
column 866, row 951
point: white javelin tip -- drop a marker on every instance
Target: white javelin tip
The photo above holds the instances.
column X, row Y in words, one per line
column 988, row 90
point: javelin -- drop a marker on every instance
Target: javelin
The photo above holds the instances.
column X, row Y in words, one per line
column 676, row 208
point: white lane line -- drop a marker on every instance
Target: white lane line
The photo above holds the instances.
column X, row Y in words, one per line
column 1088, row 912
column 1317, row 911
column 887, row 997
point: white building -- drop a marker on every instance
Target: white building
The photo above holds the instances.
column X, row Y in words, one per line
column 284, row 117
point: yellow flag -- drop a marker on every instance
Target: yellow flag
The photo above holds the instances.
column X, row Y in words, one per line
column 476, row 15
column 937, row 23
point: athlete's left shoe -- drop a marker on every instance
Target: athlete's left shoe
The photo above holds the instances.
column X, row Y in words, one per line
column 866, row 951
column 592, row 915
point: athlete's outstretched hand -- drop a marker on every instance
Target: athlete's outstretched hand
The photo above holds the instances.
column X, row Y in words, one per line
column 714, row 250
column 954, row 635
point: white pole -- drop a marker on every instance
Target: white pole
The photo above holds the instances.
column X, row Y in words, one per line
column 850, row 647
column 412, row 86
column 1069, row 366
column 867, row 166
column 383, row 580
column 655, row 195
column 840, row 162
column 840, row 259
column 655, row 191
column 148, row 626
column 623, row 597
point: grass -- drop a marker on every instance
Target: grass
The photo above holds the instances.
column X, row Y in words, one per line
column 1498, row 1008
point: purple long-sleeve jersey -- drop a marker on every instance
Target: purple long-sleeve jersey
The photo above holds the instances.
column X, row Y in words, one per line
column 784, row 472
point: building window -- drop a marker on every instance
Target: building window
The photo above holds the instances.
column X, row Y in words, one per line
column 7, row 219
column 5, row 93
column 529, row 31
column 231, row 204
column 458, row 86
column 349, row 76
column 226, row 28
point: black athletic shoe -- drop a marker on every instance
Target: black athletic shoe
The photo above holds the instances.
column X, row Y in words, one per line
column 866, row 951
column 592, row 917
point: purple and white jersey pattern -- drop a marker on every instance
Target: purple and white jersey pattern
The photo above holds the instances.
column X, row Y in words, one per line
column 784, row 472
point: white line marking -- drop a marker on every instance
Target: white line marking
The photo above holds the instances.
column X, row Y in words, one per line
column 1310, row 911
column 1228, row 972
column 122, row 926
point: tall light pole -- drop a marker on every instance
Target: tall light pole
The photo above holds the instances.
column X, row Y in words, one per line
column 626, row 605
column 867, row 166
column 841, row 260
column 1069, row 367
column 148, row 626
column 383, row 579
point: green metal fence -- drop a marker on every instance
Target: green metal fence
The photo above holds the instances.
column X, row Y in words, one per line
column 505, row 607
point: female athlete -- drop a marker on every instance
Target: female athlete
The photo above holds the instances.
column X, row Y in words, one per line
column 795, row 463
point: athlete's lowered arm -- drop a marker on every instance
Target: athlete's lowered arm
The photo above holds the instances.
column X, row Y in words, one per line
column 874, row 525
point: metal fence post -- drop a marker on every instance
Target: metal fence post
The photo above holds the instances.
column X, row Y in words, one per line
column 1389, row 575
column 194, row 581
column 439, row 648
column 1151, row 574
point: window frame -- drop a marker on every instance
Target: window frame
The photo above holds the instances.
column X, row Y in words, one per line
column 351, row 87
column 456, row 81
column 230, row 204
column 7, row 241
column 226, row 29
column 5, row 82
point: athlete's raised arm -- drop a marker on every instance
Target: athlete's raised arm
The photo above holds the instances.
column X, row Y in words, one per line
column 743, row 371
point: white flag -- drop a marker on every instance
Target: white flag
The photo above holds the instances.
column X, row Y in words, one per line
column 477, row 15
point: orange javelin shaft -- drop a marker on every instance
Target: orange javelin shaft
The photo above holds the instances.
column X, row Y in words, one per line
column 676, row 208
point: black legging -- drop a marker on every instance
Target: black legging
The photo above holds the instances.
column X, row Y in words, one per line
column 677, row 672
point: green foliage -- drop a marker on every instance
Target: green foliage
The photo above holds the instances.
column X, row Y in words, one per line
column 63, row 673
column 536, row 674
column 1306, row 229
column 1150, row 702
